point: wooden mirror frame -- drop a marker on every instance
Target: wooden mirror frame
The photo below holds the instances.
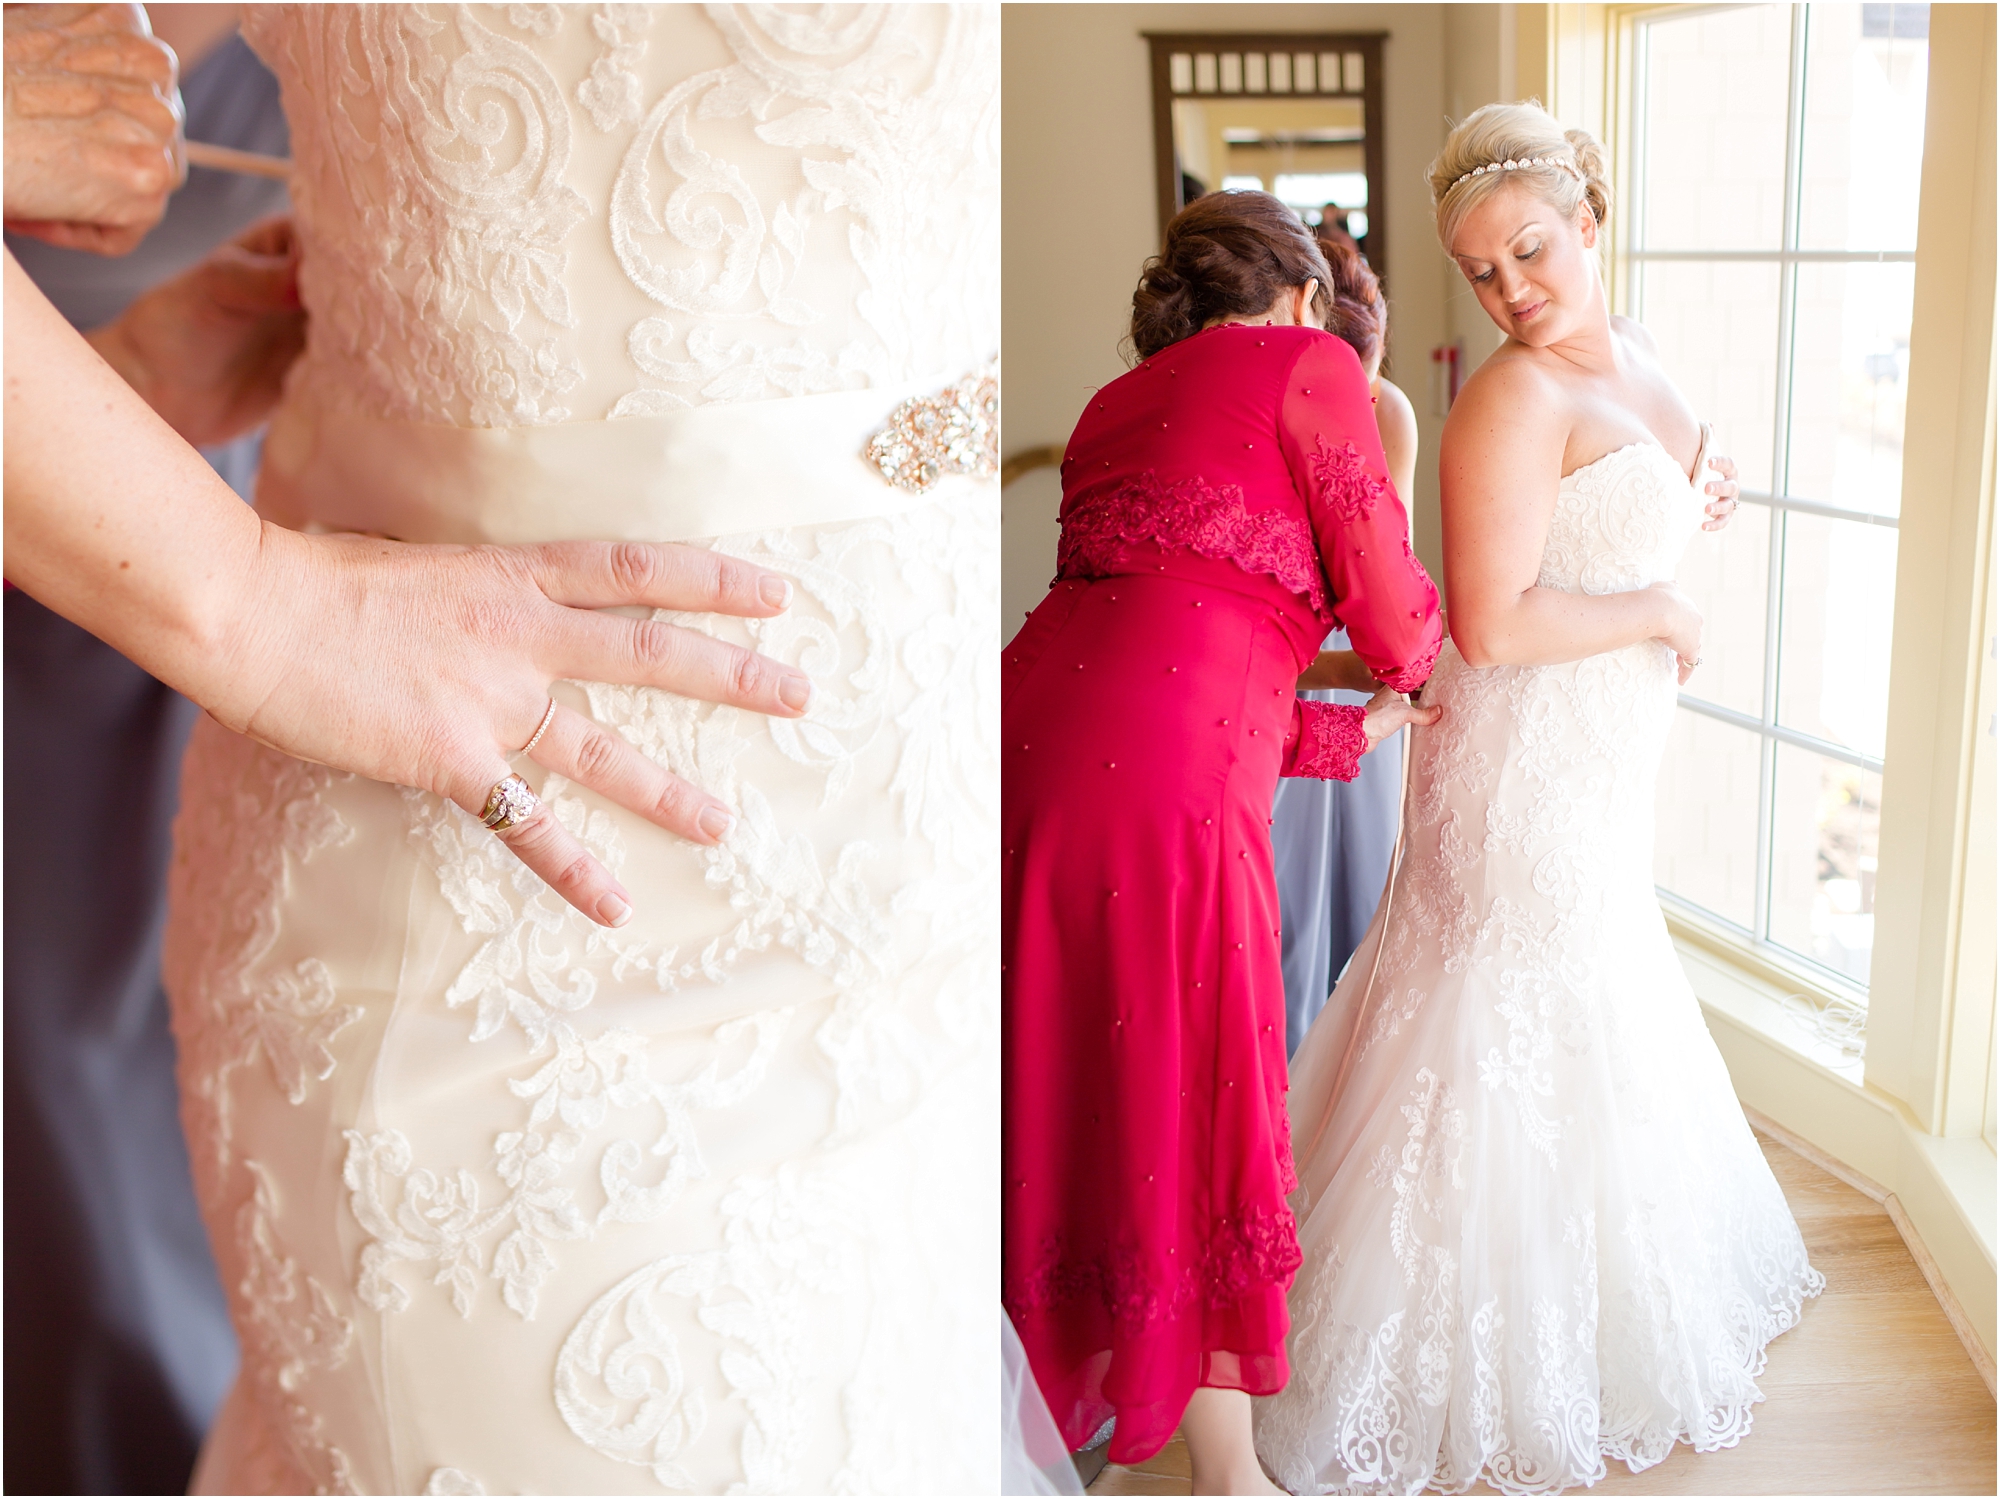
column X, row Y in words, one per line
column 1368, row 43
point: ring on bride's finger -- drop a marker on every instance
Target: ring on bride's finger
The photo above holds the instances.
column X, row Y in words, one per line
column 509, row 803
column 541, row 728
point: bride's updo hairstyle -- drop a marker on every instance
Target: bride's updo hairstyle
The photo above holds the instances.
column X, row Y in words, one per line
column 1225, row 255
column 1521, row 143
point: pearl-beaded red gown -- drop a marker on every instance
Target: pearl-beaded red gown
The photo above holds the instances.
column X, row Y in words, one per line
column 1224, row 504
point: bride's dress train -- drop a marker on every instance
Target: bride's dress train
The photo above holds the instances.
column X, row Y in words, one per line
column 505, row 1201
column 1537, row 1230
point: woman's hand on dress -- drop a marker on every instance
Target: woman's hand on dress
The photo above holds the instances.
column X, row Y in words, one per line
column 1388, row 711
column 430, row 666
column 209, row 349
column 427, row 666
column 1681, row 628
column 1722, row 508
column 93, row 125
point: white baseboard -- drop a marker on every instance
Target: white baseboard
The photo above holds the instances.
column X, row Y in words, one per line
column 1798, row 1145
column 1941, row 1288
column 1947, row 1299
column 1943, row 1191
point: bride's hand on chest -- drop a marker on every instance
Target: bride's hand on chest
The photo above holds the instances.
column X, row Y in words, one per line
column 1722, row 492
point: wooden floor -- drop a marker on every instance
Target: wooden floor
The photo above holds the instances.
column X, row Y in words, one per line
column 1871, row 1394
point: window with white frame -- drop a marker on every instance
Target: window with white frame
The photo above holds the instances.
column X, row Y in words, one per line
column 1770, row 248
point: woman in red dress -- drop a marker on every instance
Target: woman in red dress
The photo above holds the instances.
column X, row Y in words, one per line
column 1225, row 503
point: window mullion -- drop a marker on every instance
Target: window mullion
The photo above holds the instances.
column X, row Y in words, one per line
column 1781, row 444
column 1788, row 244
column 1782, row 257
column 1635, row 160
column 1798, row 506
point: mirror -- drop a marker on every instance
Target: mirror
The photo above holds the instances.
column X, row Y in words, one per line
column 1298, row 115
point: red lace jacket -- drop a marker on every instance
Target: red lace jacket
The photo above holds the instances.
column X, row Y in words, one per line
column 1257, row 447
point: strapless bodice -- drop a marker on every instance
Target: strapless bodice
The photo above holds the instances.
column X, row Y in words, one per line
column 1622, row 521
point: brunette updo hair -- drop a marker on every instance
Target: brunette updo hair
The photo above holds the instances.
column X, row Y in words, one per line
column 1356, row 313
column 1227, row 254
column 1523, row 132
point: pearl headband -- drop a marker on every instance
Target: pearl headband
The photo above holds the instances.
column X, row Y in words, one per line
column 1514, row 166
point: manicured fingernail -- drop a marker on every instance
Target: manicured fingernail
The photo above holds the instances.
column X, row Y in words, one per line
column 614, row 910
column 715, row 822
column 776, row 592
column 795, row 691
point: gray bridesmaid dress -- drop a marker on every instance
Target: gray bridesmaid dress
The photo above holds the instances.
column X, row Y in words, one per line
column 1331, row 842
column 118, row 1347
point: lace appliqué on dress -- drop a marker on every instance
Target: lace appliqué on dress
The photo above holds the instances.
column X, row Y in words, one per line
column 1352, row 493
column 818, row 214
column 437, row 215
column 439, row 1221
column 612, row 93
column 895, row 665
column 1345, row 485
column 1212, row 521
column 1418, row 672
column 231, row 1006
column 292, row 1329
column 1334, row 741
column 1253, row 1248
column 880, row 144
column 619, row 1379
column 537, row 968
column 248, row 815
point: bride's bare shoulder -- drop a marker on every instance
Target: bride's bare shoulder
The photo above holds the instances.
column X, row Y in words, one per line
column 1510, row 400
column 1635, row 332
column 1510, row 373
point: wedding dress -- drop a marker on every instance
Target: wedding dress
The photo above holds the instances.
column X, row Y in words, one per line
column 504, row 1201
column 1537, row 1231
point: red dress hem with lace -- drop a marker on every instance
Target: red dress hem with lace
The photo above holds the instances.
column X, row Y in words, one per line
column 1225, row 504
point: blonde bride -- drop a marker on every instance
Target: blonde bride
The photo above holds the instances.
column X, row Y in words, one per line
column 1538, row 1233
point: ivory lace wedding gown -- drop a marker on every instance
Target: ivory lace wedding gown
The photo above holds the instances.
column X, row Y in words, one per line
column 506, row 1202
column 1537, row 1230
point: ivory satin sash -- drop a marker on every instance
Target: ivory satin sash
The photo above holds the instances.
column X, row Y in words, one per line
column 704, row 472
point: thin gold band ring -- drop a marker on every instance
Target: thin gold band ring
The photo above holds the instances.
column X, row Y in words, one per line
column 541, row 728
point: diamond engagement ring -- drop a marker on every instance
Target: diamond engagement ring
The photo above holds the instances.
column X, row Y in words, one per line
column 509, row 804
column 541, row 728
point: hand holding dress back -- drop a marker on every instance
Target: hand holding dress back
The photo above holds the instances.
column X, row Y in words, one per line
column 93, row 125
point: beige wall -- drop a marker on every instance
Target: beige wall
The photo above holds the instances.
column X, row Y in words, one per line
column 1080, row 217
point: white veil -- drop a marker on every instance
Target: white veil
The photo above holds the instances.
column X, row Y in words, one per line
column 1033, row 1459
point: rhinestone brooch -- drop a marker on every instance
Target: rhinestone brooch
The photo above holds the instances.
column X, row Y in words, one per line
column 956, row 431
